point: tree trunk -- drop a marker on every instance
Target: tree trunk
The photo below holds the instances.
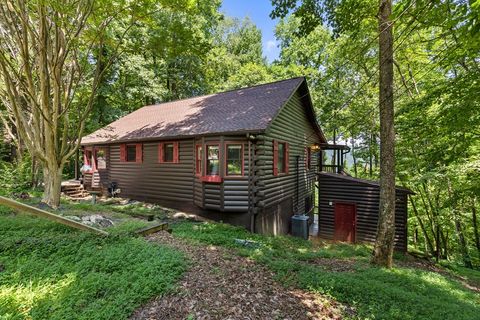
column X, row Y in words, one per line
column 428, row 242
column 370, row 151
column 52, row 179
column 459, row 229
column 383, row 251
column 475, row 226
column 354, row 158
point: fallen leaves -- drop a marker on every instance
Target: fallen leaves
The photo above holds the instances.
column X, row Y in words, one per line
column 233, row 288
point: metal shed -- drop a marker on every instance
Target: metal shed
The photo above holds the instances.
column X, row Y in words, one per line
column 348, row 209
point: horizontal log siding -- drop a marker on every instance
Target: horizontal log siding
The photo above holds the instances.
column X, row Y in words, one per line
column 153, row 181
column 367, row 199
column 292, row 126
column 232, row 194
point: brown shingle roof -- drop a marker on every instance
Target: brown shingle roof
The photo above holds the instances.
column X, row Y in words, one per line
column 242, row 110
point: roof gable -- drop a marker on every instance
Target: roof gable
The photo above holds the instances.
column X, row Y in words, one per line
column 249, row 109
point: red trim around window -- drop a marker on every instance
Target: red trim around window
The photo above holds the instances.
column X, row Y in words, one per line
column 123, row 153
column 198, row 163
column 233, row 143
column 161, row 152
column 286, row 158
column 275, row 157
column 138, row 152
column 211, row 178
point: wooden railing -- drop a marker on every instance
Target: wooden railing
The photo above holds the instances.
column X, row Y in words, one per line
column 330, row 168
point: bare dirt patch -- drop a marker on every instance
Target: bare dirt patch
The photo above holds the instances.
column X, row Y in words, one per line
column 222, row 285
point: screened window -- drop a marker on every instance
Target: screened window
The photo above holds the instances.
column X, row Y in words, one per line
column 281, row 157
column 213, row 162
column 198, row 161
column 131, row 153
column 234, row 160
column 168, row 152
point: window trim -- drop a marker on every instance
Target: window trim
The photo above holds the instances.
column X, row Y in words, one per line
column 225, row 159
column 206, row 159
column 176, row 152
column 199, row 168
column 126, row 152
column 286, row 158
column 138, row 152
column 95, row 157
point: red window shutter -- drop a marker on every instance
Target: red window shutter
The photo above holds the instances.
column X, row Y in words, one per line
column 123, row 152
column 94, row 164
column 160, row 152
column 287, row 156
column 275, row 157
column 138, row 153
column 176, row 157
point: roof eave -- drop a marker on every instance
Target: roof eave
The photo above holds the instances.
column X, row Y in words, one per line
column 175, row 137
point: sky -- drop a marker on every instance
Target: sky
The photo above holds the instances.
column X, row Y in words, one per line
column 258, row 11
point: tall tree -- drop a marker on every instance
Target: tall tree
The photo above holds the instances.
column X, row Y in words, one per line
column 346, row 16
column 383, row 251
column 51, row 62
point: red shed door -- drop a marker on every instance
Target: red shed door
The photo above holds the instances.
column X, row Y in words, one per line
column 345, row 222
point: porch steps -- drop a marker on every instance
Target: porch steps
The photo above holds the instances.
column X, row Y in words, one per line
column 74, row 189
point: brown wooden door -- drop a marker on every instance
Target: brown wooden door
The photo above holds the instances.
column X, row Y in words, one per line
column 345, row 222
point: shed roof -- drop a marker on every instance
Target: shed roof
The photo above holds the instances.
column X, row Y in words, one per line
column 249, row 109
column 362, row 181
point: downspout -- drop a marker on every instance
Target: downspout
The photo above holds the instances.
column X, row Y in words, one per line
column 297, row 185
column 252, row 171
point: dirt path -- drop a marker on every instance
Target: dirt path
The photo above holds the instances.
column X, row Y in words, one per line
column 222, row 285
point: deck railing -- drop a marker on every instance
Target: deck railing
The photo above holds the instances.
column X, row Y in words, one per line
column 330, row 168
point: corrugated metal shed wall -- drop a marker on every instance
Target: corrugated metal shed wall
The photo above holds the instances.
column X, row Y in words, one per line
column 367, row 198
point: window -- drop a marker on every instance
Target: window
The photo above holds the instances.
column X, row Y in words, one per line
column 213, row 161
column 100, row 159
column 198, row 159
column 131, row 152
column 234, row 159
column 280, row 157
column 168, row 152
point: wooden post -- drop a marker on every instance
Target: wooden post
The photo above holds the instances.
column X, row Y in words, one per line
column 77, row 153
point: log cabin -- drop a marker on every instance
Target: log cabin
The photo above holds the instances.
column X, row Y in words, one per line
column 249, row 157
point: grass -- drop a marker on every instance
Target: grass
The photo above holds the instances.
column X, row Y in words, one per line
column 375, row 293
column 48, row 271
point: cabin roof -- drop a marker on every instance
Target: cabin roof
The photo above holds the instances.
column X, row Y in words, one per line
column 250, row 109
column 362, row 181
